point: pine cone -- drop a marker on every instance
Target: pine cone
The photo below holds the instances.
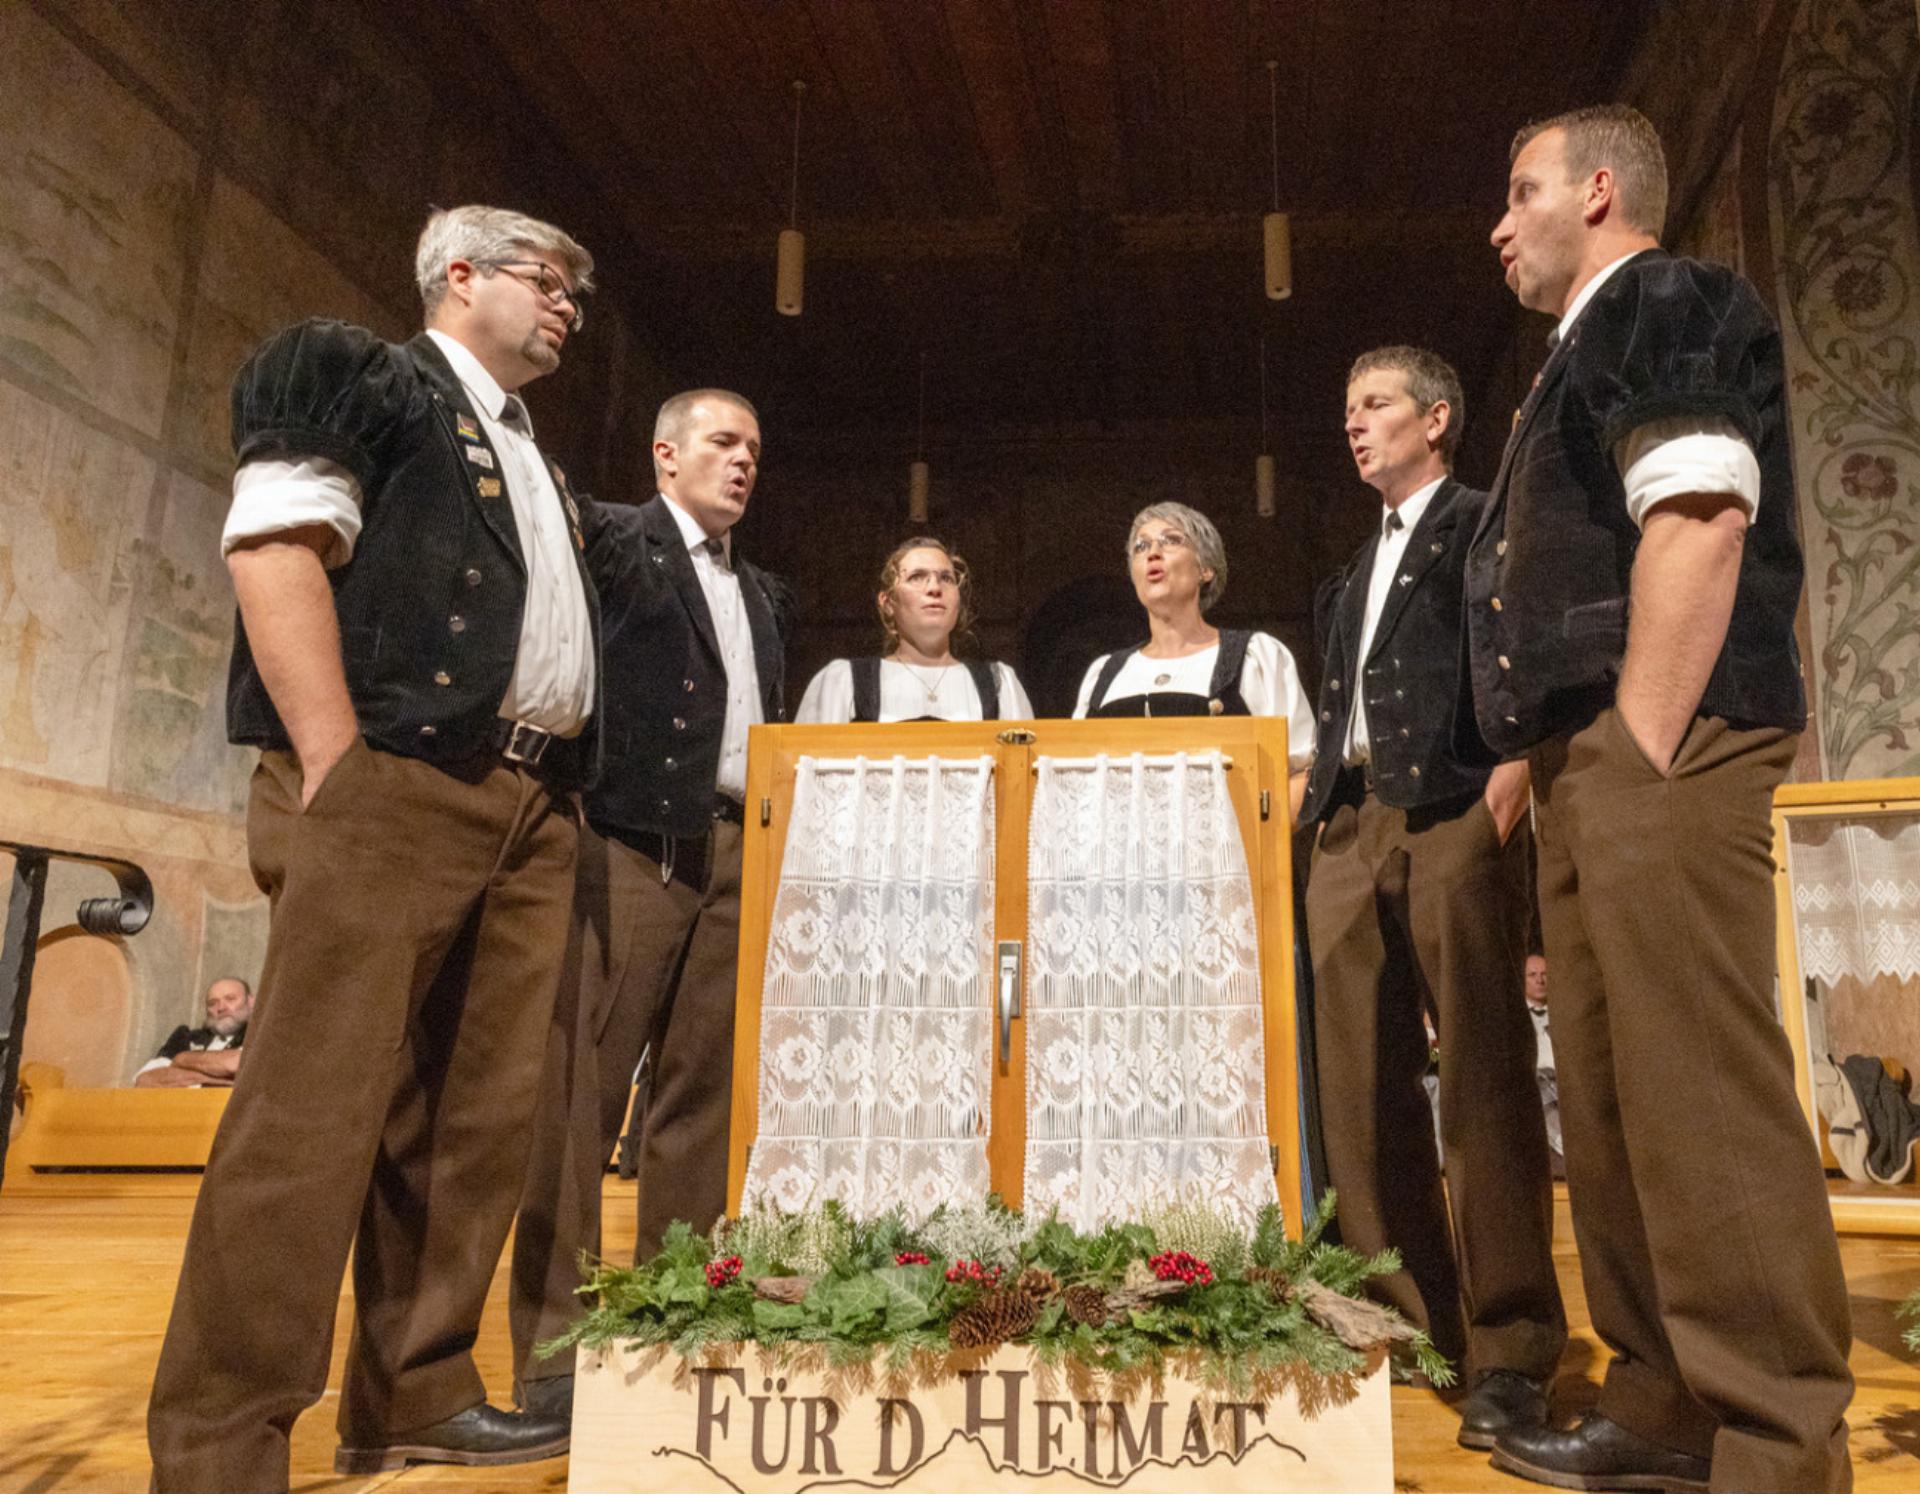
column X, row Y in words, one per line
column 1278, row 1284
column 1039, row 1284
column 1087, row 1304
column 995, row 1318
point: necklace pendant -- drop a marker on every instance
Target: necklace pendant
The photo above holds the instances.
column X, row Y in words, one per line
column 1163, row 679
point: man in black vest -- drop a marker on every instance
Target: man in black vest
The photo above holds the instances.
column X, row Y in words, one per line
column 193, row 1056
column 416, row 659
column 1631, row 590
column 695, row 654
column 1418, row 893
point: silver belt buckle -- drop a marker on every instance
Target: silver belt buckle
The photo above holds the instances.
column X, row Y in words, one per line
column 526, row 744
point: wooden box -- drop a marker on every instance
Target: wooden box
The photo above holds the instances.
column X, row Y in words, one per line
column 644, row 1420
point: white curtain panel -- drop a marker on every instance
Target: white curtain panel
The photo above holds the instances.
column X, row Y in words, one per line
column 876, row 1015
column 1146, row 1054
column 1856, row 895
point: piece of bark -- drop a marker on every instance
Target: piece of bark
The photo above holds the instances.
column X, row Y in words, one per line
column 1358, row 1325
column 782, row 1288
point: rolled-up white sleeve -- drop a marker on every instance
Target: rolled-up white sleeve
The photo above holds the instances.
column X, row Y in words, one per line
column 1270, row 684
column 1014, row 705
column 271, row 496
column 829, row 696
column 1087, row 682
column 1686, row 454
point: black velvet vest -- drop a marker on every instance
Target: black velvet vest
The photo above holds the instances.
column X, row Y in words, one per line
column 430, row 604
column 1417, row 689
column 1550, row 568
column 666, row 683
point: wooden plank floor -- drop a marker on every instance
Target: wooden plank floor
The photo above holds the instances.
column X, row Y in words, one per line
column 87, row 1267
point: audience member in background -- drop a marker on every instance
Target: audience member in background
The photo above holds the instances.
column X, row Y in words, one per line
column 204, row 1055
column 925, row 601
column 1543, row 1073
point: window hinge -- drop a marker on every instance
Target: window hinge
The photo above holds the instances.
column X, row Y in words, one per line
column 766, row 812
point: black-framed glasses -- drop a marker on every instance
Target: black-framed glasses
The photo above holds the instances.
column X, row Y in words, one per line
column 548, row 283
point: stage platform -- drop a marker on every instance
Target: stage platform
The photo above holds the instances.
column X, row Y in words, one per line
column 87, row 1267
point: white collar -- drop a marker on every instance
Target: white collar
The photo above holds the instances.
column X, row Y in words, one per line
column 480, row 384
column 1412, row 507
column 690, row 531
column 1587, row 293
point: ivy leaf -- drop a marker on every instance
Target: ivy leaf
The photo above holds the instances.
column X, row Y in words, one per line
column 778, row 1317
column 853, row 1307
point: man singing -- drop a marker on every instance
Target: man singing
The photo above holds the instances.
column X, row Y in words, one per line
column 695, row 654
column 1631, row 591
column 415, row 658
column 1418, row 890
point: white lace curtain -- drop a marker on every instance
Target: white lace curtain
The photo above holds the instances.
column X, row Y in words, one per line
column 1146, row 1055
column 876, row 1018
column 1856, row 895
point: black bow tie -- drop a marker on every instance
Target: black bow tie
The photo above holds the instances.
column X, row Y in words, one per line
column 514, row 416
column 1394, row 523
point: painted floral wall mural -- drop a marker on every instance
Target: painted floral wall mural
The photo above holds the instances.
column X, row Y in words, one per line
column 1848, row 255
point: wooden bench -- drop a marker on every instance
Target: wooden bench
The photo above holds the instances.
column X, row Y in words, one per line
column 96, row 1128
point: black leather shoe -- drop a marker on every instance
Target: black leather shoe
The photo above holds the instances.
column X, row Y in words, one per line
column 479, row 1437
column 551, row 1398
column 1504, row 1400
column 1598, row 1454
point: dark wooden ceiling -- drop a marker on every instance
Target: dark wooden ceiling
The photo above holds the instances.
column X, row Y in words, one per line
column 1056, row 201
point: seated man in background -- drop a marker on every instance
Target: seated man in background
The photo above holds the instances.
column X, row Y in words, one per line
column 204, row 1055
column 1543, row 1072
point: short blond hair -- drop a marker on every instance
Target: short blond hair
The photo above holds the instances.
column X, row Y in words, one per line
column 478, row 234
column 1623, row 140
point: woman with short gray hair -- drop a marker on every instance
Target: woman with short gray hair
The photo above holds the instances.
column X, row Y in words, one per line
column 1188, row 667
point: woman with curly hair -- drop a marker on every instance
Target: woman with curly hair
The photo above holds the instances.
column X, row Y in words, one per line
column 924, row 602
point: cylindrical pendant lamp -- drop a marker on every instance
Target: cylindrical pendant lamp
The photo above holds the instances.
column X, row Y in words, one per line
column 790, row 258
column 1263, row 485
column 1278, row 233
column 790, row 272
column 919, row 482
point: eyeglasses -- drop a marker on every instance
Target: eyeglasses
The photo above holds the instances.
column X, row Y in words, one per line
column 1173, row 539
column 924, row 580
column 547, row 283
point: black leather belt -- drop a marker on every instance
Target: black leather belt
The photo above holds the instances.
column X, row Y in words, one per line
column 730, row 810
column 518, row 742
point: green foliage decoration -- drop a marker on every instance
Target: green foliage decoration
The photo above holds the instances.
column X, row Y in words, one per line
column 832, row 1282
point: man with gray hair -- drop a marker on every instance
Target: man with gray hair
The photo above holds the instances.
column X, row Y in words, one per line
column 1418, row 894
column 416, row 659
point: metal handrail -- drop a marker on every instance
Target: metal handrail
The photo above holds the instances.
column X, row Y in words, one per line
column 113, row 917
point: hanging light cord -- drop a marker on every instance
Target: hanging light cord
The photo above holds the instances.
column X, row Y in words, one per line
column 1273, row 124
column 793, row 196
column 1263, row 391
column 920, row 431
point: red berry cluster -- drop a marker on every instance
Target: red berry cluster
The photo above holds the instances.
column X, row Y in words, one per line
column 719, row 1273
column 911, row 1258
column 1178, row 1265
column 974, row 1272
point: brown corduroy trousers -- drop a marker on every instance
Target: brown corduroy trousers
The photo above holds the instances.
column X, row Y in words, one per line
column 418, row 916
column 1699, row 1205
column 1405, row 907
column 650, row 961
